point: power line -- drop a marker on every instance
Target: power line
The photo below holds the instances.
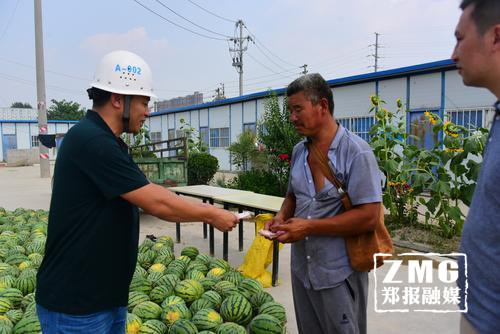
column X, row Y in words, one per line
column 265, row 66
column 195, row 24
column 8, row 22
column 256, row 40
column 177, row 25
column 211, row 13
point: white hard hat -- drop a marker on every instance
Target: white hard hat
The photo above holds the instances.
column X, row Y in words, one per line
column 124, row 72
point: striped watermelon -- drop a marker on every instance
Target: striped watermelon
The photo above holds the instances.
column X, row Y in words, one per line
column 161, row 292
column 5, row 329
column 141, row 285
column 198, row 265
column 265, row 324
column 231, row 328
column 220, row 263
column 5, row 305
column 26, row 284
column 147, row 310
column 214, row 297
column 14, row 315
column 133, row 324
column 275, row 309
column 216, row 273
column 249, row 287
column 164, row 259
column 14, row 295
column 153, row 327
column 225, row 288
column 183, row 326
column 172, row 301
column 140, row 272
column 207, row 319
column 195, row 274
column 206, row 259
column 4, row 320
column 167, row 253
column 236, row 308
column 169, row 280
column 27, row 325
column 260, row 298
column 208, row 283
column 175, row 270
column 28, row 299
column 135, row 298
column 206, row 332
column 157, row 268
column 158, row 246
column 15, row 259
column 185, row 259
column 173, row 313
column 166, row 240
column 200, row 304
column 155, row 278
column 234, row 277
column 30, row 309
column 7, row 281
column 189, row 290
column 190, row 251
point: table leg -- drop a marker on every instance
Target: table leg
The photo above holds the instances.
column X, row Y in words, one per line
column 276, row 248
column 204, row 224
column 211, row 234
column 178, row 232
column 225, row 240
column 240, row 230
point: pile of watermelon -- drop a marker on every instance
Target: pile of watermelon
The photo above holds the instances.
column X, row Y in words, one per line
column 196, row 293
column 193, row 293
column 22, row 245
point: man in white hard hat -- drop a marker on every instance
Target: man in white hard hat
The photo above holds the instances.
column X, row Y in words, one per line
column 93, row 230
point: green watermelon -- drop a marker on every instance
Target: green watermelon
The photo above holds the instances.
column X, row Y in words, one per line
column 172, row 300
column 214, row 297
column 135, row 298
column 208, row 283
column 161, row 292
column 275, row 309
column 200, row 304
column 236, row 308
column 225, row 288
column 189, row 290
column 220, row 263
column 183, row 326
column 14, row 295
column 234, row 277
column 173, row 313
column 216, row 273
column 14, row 315
column 265, row 324
column 195, row 274
column 27, row 325
column 147, row 310
column 260, row 298
column 153, row 327
column 133, row 324
column 231, row 328
column 249, row 287
column 191, row 252
column 5, row 305
column 207, row 319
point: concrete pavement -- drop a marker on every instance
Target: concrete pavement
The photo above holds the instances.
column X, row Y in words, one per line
column 23, row 187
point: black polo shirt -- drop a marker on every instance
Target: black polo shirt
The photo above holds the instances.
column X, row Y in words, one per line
column 93, row 233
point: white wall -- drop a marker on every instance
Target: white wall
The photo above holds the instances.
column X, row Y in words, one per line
column 249, row 112
column 8, row 129
column 457, row 95
column 203, row 117
column 223, row 156
column 219, row 117
column 155, row 124
column 261, row 107
column 353, row 100
column 236, row 121
column 390, row 90
column 23, row 135
column 182, row 115
column 170, row 121
column 425, row 91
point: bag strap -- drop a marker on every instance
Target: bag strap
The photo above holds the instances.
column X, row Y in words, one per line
column 328, row 173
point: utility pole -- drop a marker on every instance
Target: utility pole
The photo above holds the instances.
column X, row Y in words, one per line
column 40, row 90
column 375, row 55
column 237, row 52
column 304, row 71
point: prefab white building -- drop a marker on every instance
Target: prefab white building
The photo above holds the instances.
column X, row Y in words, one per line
column 435, row 87
column 19, row 130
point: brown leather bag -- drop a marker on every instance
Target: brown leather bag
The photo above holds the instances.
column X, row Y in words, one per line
column 362, row 247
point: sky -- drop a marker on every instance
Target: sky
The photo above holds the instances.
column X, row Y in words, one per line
column 333, row 37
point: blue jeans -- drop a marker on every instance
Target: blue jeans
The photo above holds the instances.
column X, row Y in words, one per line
column 111, row 321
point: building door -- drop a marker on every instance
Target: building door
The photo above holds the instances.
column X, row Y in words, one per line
column 421, row 128
column 9, row 142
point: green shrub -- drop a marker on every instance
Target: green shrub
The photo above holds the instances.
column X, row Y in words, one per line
column 258, row 181
column 201, row 168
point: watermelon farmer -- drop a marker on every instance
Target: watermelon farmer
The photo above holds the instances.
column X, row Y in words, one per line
column 328, row 295
column 93, row 230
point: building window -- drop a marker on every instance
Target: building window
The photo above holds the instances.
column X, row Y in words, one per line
column 219, row 137
column 171, row 134
column 180, row 133
column 358, row 125
column 204, row 135
column 468, row 118
column 34, row 141
column 155, row 137
column 250, row 127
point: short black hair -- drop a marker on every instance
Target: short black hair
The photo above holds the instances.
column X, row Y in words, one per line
column 98, row 96
column 314, row 87
column 486, row 13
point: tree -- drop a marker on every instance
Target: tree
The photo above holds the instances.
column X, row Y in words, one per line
column 244, row 150
column 21, row 105
column 65, row 110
